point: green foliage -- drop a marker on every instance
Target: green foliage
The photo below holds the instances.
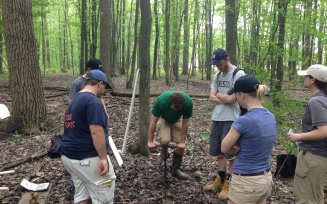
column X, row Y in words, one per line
column 204, row 137
column 288, row 115
column 40, row 137
column 191, row 147
column 17, row 135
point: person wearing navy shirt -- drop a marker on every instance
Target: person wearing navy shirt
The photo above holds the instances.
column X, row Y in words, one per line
column 85, row 143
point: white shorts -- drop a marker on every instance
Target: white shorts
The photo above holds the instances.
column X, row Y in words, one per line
column 87, row 181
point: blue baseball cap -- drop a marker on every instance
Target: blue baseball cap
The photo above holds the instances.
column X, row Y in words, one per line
column 98, row 75
column 218, row 55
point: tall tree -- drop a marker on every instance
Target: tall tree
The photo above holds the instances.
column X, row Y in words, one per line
column 186, row 39
column 105, row 37
column 156, row 41
column 83, row 45
column 28, row 105
column 167, row 43
column 282, row 9
column 231, row 29
column 146, row 22
column 208, row 38
column 131, row 77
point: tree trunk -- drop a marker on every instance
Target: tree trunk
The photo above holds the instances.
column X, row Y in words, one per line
column 94, row 28
column 306, row 57
column 131, row 77
column 83, row 38
column 208, row 40
column 156, row 41
column 186, row 39
column 105, row 37
column 123, row 53
column 28, row 105
column 231, row 29
column 167, row 55
column 282, row 9
column 144, row 115
column 1, row 53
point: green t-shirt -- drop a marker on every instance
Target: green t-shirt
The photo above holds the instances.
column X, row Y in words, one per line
column 162, row 108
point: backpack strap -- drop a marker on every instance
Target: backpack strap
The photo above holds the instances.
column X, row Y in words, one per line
column 234, row 73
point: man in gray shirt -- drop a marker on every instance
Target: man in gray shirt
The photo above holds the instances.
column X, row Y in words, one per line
column 79, row 83
column 225, row 112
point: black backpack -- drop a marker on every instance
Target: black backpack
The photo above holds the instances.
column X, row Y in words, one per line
column 243, row 110
column 54, row 151
column 286, row 164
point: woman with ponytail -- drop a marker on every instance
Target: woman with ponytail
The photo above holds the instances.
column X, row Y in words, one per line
column 251, row 138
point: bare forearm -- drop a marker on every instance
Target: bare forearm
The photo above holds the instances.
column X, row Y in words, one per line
column 226, row 99
column 214, row 99
column 313, row 135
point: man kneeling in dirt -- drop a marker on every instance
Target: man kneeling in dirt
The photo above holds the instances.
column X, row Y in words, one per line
column 85, row 143
column 168, row 109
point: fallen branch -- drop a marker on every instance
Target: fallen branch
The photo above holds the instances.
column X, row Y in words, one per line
column 53, row 96
column 27, row 159
column 125, row 94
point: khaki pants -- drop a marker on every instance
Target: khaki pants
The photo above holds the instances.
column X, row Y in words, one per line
column 250, row 189
column 309, row 179
column 169, row 132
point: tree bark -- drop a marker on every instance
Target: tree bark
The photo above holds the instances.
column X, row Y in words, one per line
column 231, row 29
column 83, row 38
column 28, row 105
column 144, row 83
column 131, row 77
column 167, row 28
column 105, row 38
column 186, row 39
column 156, row 41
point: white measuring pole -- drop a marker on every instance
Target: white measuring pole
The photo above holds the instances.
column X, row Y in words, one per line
column 130, row 113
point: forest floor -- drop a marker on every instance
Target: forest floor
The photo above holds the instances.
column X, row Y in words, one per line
column 139, row 179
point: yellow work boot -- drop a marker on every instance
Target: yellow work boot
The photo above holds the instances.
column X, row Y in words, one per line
column 223, row 195
column 217, row 184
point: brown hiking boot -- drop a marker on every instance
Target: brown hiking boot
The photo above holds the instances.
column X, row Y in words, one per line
column 216, row 185
column 223, row 195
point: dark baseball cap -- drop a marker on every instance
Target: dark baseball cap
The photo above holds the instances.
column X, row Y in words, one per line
column 245, row 84
column 218, row 55
column 99, row 76
column 94, row 63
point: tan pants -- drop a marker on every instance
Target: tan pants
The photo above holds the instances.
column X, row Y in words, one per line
column 169, row 132
column 250, row 189
column 309, row 179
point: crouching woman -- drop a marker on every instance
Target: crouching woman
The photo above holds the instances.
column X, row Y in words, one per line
column 251, row 138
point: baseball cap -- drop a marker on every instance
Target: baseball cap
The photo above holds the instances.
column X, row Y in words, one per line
column 317, row 71
column 245, row 84
column 94, row 63
column 98, row 75
column 218, row 55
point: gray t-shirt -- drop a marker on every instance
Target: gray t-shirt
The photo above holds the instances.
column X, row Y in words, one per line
column 225, row 112
column 77, row 85
column 315, row 115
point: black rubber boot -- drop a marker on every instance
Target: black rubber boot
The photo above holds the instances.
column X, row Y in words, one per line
column 176, row 168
